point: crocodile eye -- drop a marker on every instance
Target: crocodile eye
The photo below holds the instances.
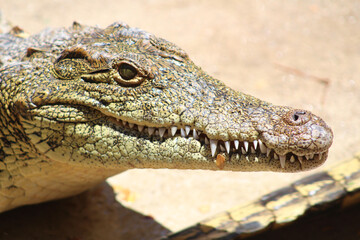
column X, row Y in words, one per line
column 127, row 72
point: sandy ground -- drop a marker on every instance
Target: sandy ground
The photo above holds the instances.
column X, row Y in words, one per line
column 280, row 51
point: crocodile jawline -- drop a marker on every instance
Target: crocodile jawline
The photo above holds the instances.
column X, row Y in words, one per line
column 245, row 148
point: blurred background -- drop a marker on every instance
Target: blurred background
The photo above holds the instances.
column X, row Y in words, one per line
column 305, row 54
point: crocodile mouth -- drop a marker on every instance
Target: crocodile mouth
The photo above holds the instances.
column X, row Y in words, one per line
column 245, row 148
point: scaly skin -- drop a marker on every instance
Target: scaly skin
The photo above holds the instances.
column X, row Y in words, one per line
column 80, row 104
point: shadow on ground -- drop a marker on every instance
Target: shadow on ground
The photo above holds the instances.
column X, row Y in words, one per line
column 94, row 214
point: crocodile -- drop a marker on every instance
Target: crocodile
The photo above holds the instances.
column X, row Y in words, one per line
column 80, row 104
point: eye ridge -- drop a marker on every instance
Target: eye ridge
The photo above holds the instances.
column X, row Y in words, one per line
column 127, row 71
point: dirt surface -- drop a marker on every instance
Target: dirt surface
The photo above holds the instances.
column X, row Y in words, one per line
column 305, row 54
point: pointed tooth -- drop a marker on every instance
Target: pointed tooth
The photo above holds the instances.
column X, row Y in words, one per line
column 187, row 130
column 263, row 148
column 268, row 150
column 173, row 130
column 151, row 130
column 236, row 143
column 252, row 150
column 140, row 128
column 124, row 123
column 320, row 155
column 182, row 132
column 255, row 142
column 282, row 160
column 207, row 140
column 222, row 148
column 131, row 125
column 276, row 156
column 195, row 135
column 236, row 156
column 292, row 159
column 243, row 150
column 307, row 157
column 246, row 145
column 162, row 131
column 227, row 146
column 213, row 146
column 300, row 158
column 311, row 156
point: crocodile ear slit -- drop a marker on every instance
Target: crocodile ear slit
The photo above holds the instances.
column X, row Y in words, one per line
column 75, row 52
column 77, row 61
column 79, row 52
column 32, row 50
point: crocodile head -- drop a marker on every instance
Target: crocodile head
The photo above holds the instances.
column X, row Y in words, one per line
column 121, row 98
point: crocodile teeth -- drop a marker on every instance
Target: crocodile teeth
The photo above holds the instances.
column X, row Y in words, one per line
column 282, row 160
column 230, row 147
column 236, row 144
column 195, row 135
column 182, row 132
column 162, row 131
column 213, row 146
column 246, row 145
column 252, row 149
column 263, row 148
column 300, row 158
column 268, row 152
column 255, row 144
column 140, row 128
column 151, row 130
column 173, row 130
column 227, row 146
column 187, row 130
column 222, row 148
column 243, row 151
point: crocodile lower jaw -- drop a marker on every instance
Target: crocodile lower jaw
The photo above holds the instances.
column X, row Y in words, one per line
column 230, row 147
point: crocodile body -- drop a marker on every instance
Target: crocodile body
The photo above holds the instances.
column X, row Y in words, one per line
column 80, row 104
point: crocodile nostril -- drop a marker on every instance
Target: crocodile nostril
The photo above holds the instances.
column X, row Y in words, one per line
column 297, row 117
